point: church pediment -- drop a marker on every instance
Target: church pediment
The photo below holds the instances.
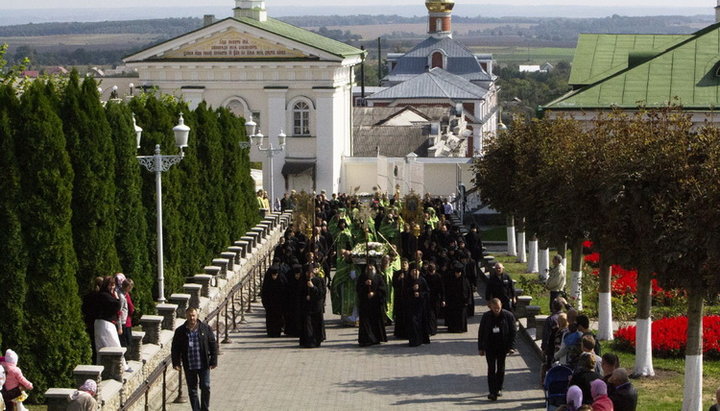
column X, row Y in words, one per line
column 243, row 40
column 233, row 44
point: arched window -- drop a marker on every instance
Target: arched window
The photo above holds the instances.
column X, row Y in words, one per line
column 301, row 119
column 437, row 60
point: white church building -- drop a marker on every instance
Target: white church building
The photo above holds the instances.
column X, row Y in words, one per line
column 293, row 81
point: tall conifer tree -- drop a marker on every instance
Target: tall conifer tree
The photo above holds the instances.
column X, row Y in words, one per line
column 131, row 239
column 56, row 339
column 93, row 159
column 13, row 261
column 210, row 156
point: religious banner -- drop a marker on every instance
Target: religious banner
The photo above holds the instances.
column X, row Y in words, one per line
column 233, row 44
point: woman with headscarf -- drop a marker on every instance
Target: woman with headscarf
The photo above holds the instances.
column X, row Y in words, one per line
column 371, row 293
column 574, row 398
column 457, row 294
column 600, row 399
column 272, row 295
column 415, row 297
column 310, row 297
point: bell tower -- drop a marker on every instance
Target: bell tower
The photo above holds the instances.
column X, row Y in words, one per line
column 252, row 9
column 440, row 17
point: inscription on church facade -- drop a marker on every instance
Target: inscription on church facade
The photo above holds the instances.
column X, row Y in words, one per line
column 233, row 45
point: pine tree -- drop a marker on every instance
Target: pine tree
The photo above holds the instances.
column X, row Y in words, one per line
column 13, row 263
column 131, row 235
column 56, row 339
column 93, row 159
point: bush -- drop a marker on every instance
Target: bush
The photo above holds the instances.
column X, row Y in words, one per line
column 669, row 337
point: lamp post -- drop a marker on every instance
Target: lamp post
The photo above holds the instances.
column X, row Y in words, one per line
column 258, row 140
column 158, row 163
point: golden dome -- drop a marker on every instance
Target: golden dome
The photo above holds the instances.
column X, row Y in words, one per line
column 439, row 6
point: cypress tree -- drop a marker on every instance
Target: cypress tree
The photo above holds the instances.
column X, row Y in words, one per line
column 240, row 205
column 210, row 156
column 198, row 253
column 56, row 339
column 13, row 263
column 131, row 236
column 93, row 159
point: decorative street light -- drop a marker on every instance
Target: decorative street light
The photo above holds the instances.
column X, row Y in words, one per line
column 257, row 140
column 157, row 164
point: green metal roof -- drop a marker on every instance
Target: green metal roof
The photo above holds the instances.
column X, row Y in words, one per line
column 303, row 36
column 281, row 29
column 598, row 56
column 684, row 74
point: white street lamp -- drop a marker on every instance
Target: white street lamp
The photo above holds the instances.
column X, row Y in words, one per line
column 158, row 163
column 257, row 140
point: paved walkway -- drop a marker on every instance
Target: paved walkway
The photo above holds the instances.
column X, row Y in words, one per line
column 259, row 373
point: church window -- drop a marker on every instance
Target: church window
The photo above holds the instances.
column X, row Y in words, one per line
column 437, row 60
column 301, row 119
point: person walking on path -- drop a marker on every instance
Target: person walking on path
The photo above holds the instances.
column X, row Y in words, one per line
column 371, row 294
column 500, row 286
column 195, row 348
column 555, row 282
column 496, row 339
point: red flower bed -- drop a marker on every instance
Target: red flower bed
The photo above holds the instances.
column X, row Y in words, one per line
column 623, row 281
column 669, row 336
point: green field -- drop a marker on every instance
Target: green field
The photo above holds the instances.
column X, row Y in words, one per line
column 527, row 55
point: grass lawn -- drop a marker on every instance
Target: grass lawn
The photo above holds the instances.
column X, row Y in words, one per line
column 662, row 392
column 528, row 55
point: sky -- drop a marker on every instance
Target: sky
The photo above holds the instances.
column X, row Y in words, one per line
column 42, row 4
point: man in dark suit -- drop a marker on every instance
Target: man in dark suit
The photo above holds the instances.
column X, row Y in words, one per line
column 194, row 346
column 496, row 339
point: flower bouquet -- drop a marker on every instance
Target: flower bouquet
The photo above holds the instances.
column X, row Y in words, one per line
column 370, row 251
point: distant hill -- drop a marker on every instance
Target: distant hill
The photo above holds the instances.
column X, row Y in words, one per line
column 105, row 43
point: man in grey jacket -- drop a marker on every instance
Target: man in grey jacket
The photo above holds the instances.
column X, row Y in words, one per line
column 556, row 279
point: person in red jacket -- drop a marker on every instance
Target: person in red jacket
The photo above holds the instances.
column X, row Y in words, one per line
column 15, row 382
column 601, row 401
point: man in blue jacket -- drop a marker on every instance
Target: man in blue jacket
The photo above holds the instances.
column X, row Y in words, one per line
column 496, row 339
column 194, row 346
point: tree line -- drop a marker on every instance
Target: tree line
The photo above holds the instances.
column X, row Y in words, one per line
column 75, row 204
column 640, row 185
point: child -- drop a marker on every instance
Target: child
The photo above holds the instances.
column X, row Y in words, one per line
column 14, row 380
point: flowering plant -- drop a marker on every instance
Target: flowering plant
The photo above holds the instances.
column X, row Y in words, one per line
column 669, row 336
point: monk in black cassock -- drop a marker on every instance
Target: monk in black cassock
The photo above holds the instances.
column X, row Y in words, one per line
column 371, row 294
column 415, row 296
column 400, row 277
column 436, row 301
column 273, row 295
column 290, row 306
column 310, row 297
column 457, row 294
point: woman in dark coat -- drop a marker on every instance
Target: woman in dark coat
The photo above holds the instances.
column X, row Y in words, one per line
column 294, row 279
column 400, row 277
column 436, row 301
column 371, row 294
column 457, row 294
column 273, row 294
column 310, row 297
column 416, row 308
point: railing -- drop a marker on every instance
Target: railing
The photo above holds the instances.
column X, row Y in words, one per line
column 246, row 291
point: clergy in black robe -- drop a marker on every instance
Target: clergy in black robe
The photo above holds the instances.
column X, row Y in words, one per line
column 400, row 277
column 311, row 292
column 371, row 294
column 290, row 306
column 500, row 286
column 273, row 295
column 436, row 299
column 457, row 294
column 471, row 275
column 416, row 295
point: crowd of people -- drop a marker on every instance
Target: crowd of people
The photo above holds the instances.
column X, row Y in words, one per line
column 108, row 311
column 426, row 273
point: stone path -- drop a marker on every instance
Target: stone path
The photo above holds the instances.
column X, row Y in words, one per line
column 258, row 373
